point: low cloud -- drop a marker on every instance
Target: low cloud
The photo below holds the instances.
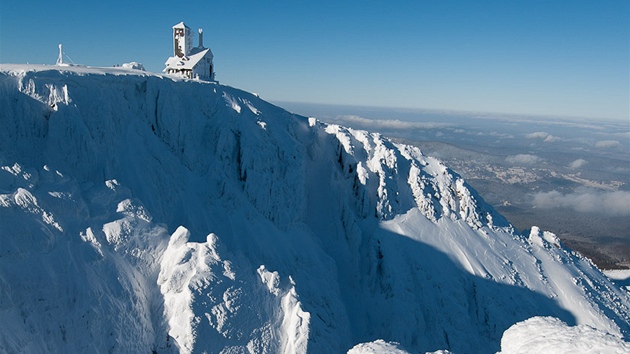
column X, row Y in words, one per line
column 577, row 164
column 586, row 200
column 623, row 135
column 544, row 136
column 523, row 159
column 607, row 143
column 375, row 124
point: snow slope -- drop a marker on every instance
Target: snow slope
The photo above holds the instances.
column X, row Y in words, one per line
column 140, row 212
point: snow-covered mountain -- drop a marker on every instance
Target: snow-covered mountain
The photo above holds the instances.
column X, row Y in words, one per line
column 142, row 213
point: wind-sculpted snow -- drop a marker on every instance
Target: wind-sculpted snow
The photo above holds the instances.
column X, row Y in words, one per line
column 145, row 213
column 545, row 335
column 407, row 180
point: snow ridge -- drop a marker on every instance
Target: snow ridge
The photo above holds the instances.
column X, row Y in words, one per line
column 437, row 191
column 145, row 213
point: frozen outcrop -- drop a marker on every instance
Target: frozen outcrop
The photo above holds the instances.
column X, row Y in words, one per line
column 140, row 213
column 548, row 335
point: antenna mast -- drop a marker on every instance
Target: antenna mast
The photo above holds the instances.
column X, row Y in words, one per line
column 60, row 57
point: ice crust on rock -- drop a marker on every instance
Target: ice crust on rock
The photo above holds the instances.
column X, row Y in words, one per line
column 143, row 213
column 378, row 346
column 548, row 335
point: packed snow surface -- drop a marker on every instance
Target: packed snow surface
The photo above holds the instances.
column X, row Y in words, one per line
column 140, row 213
column 376, row 347
column 547, row 335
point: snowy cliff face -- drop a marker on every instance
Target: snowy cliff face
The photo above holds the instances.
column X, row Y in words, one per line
column 140, row 213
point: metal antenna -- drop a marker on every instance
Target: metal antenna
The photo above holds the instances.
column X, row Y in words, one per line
column 60, row 57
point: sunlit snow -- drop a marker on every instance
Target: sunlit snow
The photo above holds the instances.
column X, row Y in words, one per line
column 142, row 213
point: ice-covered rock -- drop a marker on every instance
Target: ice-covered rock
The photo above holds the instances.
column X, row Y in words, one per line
column 141, row 213
column 548, row 335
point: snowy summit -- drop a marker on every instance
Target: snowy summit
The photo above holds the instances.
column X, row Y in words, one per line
column 188, row 61
column 145, row 213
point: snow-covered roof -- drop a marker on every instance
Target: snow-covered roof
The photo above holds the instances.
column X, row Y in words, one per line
column 189, row 61
column 181, row 25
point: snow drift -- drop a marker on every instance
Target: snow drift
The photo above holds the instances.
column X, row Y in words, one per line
column 144, row 213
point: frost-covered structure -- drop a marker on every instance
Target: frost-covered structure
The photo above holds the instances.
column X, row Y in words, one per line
column 144, row 213
column 188, row 61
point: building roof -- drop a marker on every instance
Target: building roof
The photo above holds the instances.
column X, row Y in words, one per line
column 188, row 62
column 181, row 25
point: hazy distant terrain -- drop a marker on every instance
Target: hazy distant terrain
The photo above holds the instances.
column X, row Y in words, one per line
column 571, row 177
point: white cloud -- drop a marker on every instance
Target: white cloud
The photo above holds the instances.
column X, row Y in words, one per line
column 537, row 135
column 607, row 143
column 544, row 136
column 369, row 124
column 586, row 200
column 622, row 135
column 523, row 159
column 577, row 164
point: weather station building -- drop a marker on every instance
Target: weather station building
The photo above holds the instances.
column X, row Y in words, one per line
column 188, row 61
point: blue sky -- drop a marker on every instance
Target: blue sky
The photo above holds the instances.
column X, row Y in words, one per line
column 568, row 58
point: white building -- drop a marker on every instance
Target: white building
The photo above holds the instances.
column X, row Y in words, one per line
column 188, row 61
